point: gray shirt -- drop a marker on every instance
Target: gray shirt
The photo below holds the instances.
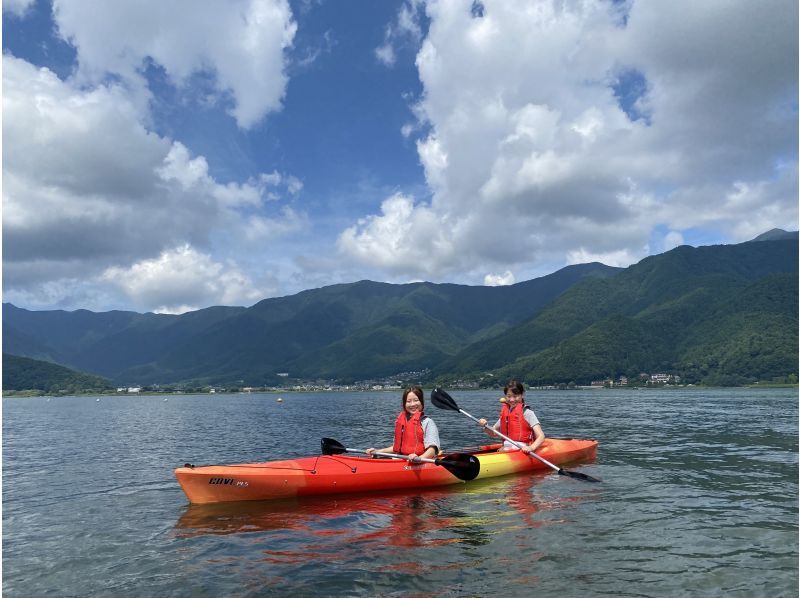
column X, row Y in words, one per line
column 431, row 432
column 529, row 416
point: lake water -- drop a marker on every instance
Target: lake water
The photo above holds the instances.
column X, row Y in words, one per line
column 699, row 497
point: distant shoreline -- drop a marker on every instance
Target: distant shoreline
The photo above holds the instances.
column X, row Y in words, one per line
column 33, row 393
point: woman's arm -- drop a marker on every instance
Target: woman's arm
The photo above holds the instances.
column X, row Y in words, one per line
column 538, row 439
column 430, row 453
column 387, row 449
column 431, row 440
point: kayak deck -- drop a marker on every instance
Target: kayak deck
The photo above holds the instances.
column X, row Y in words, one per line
column 341, row 474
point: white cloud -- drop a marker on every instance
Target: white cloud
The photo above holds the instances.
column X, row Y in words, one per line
column 499, row 280
column 87, row 188
column 408, row 20
column 404, row 238
column 261, row 229
column 241, row 43
column 404, row 30
column 291, row 183
column 672, row 240
column 385, row 55
column 17, row 7
column 534, row 158
column 620, row 258
column 534, row 155
column 183, row 279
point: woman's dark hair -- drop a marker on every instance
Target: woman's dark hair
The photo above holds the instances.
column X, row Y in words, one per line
column 515, row 387
column 417, row 391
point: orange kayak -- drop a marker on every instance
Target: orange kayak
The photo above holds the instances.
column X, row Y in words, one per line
column 342, row 474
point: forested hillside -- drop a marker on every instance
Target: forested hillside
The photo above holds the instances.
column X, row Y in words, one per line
column 721, row 315
column 23, row 373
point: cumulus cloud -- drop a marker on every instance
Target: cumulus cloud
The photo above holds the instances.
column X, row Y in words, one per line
column 400, row 240
column 183, row 279
column 499, row 280
column 86, row 188
column 239, row 43
column 568, row 132
column 672, row 240
column 620, row 258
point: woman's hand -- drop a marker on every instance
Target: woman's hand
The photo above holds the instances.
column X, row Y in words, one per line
column 488, row 429
column 412, row 457
column 371, row 452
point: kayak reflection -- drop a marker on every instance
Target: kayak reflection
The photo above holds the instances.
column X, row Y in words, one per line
column 465, row 514
column 401, row 519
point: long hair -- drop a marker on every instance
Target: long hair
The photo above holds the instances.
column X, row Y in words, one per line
column 417, row 391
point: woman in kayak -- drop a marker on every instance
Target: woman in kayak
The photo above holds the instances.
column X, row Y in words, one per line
column 415, row 434
column 517, row 420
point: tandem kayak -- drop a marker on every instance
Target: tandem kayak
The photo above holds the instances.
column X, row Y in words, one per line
column 342, row 474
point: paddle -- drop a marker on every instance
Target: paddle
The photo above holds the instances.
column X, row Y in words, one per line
column 463, row 466
column 443, row 400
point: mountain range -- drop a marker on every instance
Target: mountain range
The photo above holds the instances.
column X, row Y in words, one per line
column 346, row 332
column 719, row 314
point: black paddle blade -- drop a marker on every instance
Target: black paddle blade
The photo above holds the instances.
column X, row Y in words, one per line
column 578, row 475
column 443, row 400
column 463, row 466
column 332, row 447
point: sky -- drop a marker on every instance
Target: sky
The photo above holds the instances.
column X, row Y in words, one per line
column 170, row 156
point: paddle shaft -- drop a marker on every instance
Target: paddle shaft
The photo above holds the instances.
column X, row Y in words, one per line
column 516, row 444
column 393, row 456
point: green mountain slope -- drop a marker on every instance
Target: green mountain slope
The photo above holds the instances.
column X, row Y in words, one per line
column 22, row 373
column 403, row 341
column 776, row 234
column 354, row 331
column 715, row 314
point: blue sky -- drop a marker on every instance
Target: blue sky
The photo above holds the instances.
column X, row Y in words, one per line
column 172, row 156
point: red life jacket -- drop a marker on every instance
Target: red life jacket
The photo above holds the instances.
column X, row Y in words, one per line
column 408, row 435
column 514, row 425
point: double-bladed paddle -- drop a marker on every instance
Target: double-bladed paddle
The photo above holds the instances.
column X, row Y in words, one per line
column 463, row 466
column 443, row 400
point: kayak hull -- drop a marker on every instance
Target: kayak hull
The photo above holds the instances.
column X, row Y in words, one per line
column 557, row 451
column 343, row 474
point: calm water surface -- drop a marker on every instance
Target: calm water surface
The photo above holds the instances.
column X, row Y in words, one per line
column 699, row 497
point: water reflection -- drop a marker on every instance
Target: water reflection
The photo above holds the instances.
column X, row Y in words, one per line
column 397, row 518
column 470, row 514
